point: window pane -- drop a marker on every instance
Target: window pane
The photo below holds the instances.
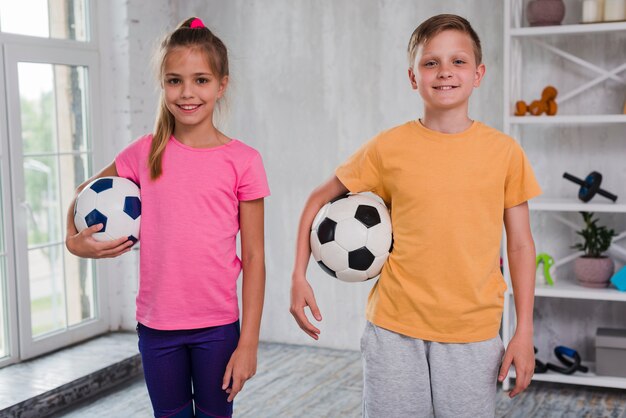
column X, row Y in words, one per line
column 53, row 123
column 4, row 326
column 80, row 289
column 63, row 19
column 2, row 250
column 71, row 112
column 42, row 201
column 56, row 159
column 53, row 107
column 47, row 301
column 37, row 107
column 74, row 171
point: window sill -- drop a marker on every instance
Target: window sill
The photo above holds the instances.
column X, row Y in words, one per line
column 53, row 382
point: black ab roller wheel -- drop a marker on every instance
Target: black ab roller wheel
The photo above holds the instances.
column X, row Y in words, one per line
column 590, row 186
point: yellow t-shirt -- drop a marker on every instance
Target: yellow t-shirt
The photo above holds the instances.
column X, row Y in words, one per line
column 447, row 194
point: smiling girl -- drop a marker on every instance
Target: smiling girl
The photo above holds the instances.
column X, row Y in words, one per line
column 199, row 188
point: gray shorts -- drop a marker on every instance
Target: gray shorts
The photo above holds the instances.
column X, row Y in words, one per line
column 409, row 377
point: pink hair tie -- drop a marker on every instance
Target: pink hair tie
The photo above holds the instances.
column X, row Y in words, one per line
column 196, row 23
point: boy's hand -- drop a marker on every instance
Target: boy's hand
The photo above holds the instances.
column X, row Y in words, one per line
column 241, row 367
column 301, row 296
column 83, row 244
column 520, row 352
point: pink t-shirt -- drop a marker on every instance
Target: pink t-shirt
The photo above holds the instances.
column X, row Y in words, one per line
column 189, row 223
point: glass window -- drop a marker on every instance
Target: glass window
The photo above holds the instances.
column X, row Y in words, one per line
column 2, row 250
column 56, row 159
column 42, row 201
column 49, row 64
column 80, row 288
column 4, row 329
column 36, row 106
column 61, row 19
column 47, row 295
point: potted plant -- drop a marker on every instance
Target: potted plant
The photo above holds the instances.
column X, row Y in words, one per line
column 593, row 269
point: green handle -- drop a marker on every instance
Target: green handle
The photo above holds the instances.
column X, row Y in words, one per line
column 547, row 261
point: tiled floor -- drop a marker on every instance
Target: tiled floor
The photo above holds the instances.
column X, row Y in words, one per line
column 294, row 381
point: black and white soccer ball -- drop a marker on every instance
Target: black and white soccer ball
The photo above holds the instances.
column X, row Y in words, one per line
column 114, row 202
column 351, row 237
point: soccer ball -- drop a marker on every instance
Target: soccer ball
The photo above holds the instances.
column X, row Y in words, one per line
column 112, row 201
column 351, row 237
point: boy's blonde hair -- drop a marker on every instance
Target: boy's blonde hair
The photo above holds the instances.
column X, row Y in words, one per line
column 185, row 36
column 437, row 24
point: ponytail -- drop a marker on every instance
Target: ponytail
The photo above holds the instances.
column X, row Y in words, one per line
column 190, row 33
column 163, row 130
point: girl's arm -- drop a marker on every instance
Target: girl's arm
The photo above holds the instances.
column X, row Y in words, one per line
column 83, row 244
column 301, row 292
column 521, row 255
column 242, row 364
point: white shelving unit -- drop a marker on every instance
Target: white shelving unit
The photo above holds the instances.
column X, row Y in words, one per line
column 588, row 379
column 515, row 37
column 567, row 119
column 569, row 205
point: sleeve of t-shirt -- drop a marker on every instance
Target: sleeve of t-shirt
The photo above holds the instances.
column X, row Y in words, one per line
column 361, row 171
column 253, row 181
column 521, row 184
column 128, row 160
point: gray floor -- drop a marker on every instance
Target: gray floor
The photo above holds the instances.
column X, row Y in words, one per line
column 295, row 381
column 23, row 381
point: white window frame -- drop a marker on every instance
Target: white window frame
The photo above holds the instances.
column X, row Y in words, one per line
column 10, row 284
column 19, row 48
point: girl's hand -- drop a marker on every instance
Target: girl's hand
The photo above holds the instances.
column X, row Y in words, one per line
column 82, row 244
column 301, row 296
column 520, row 352
column 240, row 368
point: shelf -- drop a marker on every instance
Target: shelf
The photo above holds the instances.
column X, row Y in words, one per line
column 575, row 205
column 566, row 288
column 587, row 379
column 567, row 119
column 569, row 29
column 605, row 67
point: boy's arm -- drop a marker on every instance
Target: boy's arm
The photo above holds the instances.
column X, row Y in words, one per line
column 243, row 362
column 83, row 244
column 301, row 292
column 521, row 255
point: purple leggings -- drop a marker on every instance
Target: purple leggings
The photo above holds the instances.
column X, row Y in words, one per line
column 176, row 361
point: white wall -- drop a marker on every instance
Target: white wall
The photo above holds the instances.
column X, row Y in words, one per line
column 311, row 81
column 113, row 29
column 129, row 31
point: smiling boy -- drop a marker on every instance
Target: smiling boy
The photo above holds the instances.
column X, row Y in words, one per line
column 431, row 343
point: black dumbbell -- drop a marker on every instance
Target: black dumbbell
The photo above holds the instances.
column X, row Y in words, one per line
column 590, row 186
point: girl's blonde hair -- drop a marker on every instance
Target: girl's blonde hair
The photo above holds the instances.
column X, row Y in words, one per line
column 189, row 34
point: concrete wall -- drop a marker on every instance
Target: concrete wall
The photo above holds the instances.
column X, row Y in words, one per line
column 129, row 31
column 311, row 81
